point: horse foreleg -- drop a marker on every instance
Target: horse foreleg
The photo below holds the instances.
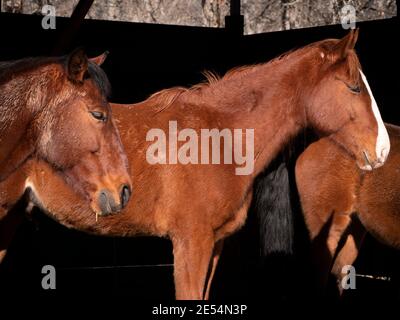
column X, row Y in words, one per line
column 181, row 275
column 192, row 256
column 348, row 253
column 337, row 227
column 213, row 266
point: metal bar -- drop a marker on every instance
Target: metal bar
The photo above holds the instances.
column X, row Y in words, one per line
column 118, row 267
column 368, row 276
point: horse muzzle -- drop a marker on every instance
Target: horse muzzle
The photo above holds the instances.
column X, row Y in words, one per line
column 109, row 202
column 370, row 164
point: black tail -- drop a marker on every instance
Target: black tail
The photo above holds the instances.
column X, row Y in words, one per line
column 273, row 206
column 276, row 202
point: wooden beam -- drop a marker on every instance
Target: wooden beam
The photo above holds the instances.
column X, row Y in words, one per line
column 68, row 34
column 235, row 8
column 234, row 23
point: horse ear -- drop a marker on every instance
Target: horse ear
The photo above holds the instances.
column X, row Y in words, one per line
column 99, row 60
column 77, row 65
column 346, row 44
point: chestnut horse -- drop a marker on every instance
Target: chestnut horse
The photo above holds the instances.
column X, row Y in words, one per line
column 56, row 110
column 319, row 86
column 342, row 203
column 339, row 203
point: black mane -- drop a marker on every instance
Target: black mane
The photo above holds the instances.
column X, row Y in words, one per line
column 100, row 78
column 8, row 69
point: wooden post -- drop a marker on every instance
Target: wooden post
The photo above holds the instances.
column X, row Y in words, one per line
column 235, row 8
column 234, row 23
column 68, row 34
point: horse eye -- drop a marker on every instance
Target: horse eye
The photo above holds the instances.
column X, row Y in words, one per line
column 355, row 89
column 98, row 115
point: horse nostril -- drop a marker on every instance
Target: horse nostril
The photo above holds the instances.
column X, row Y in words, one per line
column 125, row 195
column 104, row 203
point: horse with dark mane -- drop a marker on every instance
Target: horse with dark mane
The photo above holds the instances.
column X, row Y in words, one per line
column 56, row 110
column 187, row 201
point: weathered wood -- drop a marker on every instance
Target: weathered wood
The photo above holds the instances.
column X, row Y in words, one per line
column 259, row 16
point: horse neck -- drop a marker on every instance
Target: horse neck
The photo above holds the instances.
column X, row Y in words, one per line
column 14, row 110
column 278, row 126
column 23, row 98
column 14, row 122
column 277, row 113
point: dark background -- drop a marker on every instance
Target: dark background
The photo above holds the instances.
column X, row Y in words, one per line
column 144, row 59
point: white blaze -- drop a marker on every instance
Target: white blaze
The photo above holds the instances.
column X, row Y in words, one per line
column 382, row 141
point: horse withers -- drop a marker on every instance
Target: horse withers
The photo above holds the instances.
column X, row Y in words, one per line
column 56, row 110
